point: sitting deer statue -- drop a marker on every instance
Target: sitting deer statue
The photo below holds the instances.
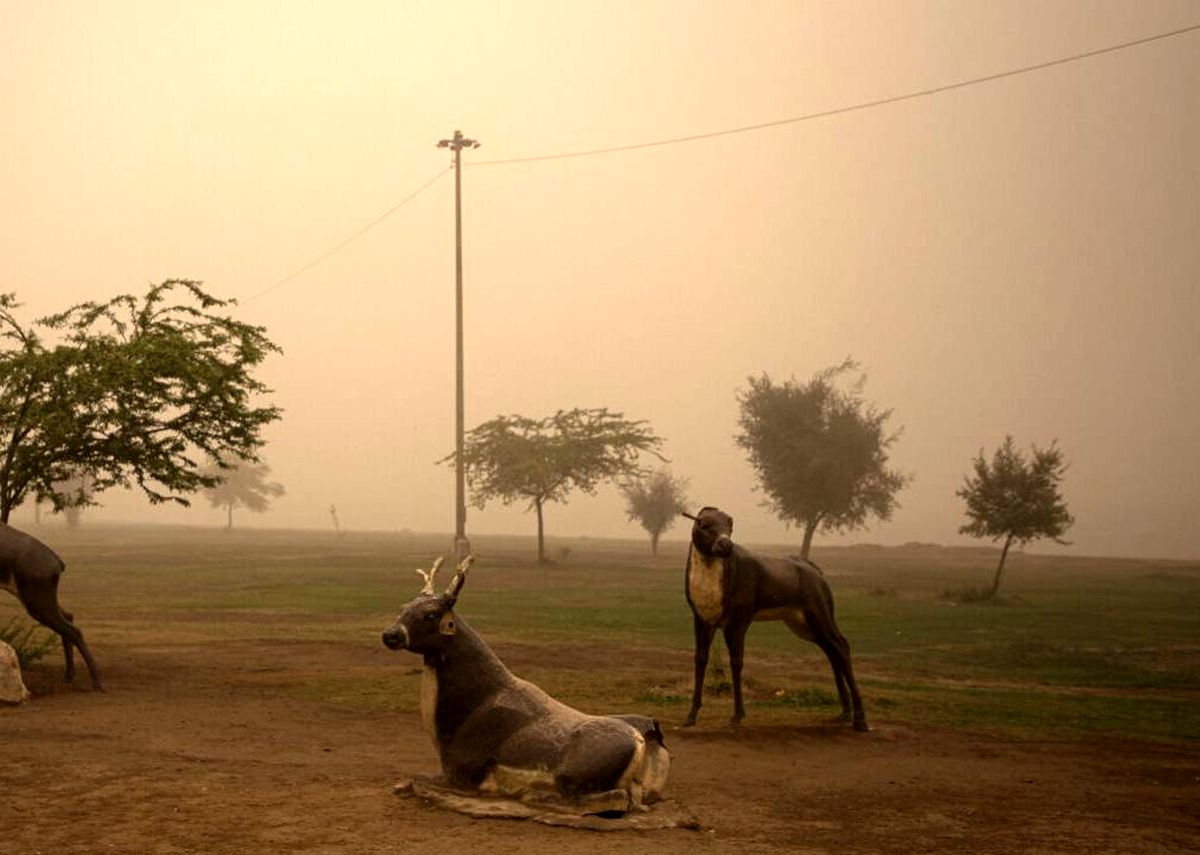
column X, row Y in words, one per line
column 729, row 587
column 29, row 570
column 498, row 734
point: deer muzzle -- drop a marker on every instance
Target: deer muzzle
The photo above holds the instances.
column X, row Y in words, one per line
column 396, row 638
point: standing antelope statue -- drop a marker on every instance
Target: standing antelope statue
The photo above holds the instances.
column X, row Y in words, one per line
column 729, row 587
column 498, row 734
column 29, row 570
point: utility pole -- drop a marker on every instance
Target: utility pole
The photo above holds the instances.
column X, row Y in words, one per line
column 462, row 546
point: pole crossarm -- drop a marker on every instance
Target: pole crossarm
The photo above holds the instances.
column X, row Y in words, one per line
column 458, row 142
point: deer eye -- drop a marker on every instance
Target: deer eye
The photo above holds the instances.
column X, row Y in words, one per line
column 430, row 616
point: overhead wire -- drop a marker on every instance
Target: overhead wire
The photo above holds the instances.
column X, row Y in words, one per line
column 396, row 207
column 863, row 105
column 820, row 114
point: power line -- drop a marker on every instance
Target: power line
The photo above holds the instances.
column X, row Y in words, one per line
column 865, row 105
column 352, row 237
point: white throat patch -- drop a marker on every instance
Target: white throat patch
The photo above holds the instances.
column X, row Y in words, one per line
column 706, row 586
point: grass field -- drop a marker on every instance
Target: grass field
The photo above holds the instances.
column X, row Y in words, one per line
column 1079, row 646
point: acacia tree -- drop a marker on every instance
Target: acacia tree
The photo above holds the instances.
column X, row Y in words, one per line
column 241, row 483
column 516, row 458
column 134, row 392
column 655, row 501
column 820, row 451
column 1016, row 498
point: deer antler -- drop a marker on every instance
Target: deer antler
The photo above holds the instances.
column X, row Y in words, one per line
column 459, row 577
column 427, row 575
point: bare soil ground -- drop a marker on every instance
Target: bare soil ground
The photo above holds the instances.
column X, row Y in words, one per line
column 193, row 749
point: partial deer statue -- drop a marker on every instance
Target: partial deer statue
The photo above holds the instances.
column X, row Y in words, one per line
column 498, row 734
column 729, row 587
column 30, row 570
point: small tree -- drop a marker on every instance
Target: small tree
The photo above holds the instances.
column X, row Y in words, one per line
column 515, row 458
column 655, row 501
column 1016, row 498
column 74, row 494
column 136, row 392
column 820, row 451
column 241, row 483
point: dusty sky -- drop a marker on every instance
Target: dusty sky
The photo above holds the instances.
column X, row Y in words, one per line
column 1016, row 257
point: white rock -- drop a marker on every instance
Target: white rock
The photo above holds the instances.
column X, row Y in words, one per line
column 12, row 689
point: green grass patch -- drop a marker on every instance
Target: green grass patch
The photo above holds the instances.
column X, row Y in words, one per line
column 28, row 640
column 1026, row 713
column 1080, row 647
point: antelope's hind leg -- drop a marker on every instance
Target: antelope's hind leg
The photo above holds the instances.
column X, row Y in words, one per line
column 800, row 628
column 41, row 601
column 838, row 651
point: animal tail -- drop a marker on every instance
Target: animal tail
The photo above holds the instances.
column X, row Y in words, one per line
column 648, row 727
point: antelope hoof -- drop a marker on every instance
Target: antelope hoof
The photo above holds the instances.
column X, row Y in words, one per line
column 861, row 725
column 736, row 721
column 690, row 721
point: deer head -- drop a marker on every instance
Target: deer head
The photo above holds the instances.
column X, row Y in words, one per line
column 712, row 532
column 425, row 622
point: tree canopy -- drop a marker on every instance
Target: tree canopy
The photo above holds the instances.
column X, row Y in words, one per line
column 517, row 458
column 241, row 483
column 655, row 501
column 820, row 451
column 1016, row 498
column 134, row 392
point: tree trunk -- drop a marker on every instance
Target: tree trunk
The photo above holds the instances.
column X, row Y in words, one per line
column 229, row 517
column 654, row 543
column 4, row 514
column 1000, row 569
column 810, row 529
column 537, row 503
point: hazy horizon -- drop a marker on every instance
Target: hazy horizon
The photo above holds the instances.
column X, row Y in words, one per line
column 1015, row 257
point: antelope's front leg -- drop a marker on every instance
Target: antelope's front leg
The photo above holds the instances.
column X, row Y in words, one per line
column 735, row 640
column 704, row 637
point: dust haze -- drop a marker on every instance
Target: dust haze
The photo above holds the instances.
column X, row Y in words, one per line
column 1018, row 256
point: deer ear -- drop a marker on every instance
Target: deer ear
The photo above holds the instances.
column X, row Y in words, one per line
column 447, row 625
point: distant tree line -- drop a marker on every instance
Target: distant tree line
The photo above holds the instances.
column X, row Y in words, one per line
column 820, row 451
column 158, row 393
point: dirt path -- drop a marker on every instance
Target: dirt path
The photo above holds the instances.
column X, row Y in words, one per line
column 185, row 755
